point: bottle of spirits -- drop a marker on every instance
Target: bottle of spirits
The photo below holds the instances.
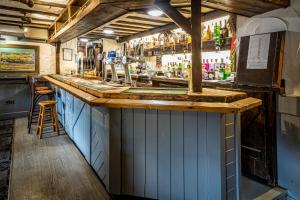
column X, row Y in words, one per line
column 208, row 34
column 222, row 70
column 225, row 30
column 217, row 35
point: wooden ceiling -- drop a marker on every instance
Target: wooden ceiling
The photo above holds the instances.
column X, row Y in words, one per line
column 40, row 14
column 134, row 23
column 128, row 17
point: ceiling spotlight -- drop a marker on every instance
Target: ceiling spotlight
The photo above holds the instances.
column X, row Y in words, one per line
column 155, row 13
column 83, row 40
column 25, row 29
column 108, row 31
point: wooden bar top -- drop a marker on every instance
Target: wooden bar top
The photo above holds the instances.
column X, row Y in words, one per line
column 112, row 96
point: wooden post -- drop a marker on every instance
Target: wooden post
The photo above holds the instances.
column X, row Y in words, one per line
column 57, row 48
column 195, row 83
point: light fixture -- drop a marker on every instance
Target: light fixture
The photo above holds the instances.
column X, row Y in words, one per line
column 108, row 31
column 83, row 40
column 155, row 13
column 25, row 29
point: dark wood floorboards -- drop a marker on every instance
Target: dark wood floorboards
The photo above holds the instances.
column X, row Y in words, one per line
column 50, row 168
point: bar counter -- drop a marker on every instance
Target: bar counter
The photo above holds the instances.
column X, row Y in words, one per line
column 211, row 100
column 155, row 143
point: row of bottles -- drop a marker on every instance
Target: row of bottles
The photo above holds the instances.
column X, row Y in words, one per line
column 177, row 69
column 217, row 69
column 217, row 32
column 213, row 69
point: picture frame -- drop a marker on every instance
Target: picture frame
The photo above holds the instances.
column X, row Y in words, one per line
column 19, row 59
column 67, row 54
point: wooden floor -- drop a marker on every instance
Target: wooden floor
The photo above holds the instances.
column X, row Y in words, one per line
column 51, row 168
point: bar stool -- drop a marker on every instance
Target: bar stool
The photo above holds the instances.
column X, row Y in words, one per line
column 39, row 92
column 47, row 107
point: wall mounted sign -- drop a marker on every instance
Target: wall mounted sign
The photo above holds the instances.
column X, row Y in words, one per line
column 19, row 59
column 67, row 54
column 258, row 53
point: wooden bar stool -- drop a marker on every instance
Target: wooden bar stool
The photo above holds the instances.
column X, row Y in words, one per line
column 47, row 107
column 37, row 84
column 39, row 92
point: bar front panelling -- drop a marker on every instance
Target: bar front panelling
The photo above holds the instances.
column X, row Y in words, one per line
column 100, row 143
column 69, row 112
column 151, row 154
column 168, row 154
column 127, row 151
column 115, row 151
column 177, row 158
column 81, row 127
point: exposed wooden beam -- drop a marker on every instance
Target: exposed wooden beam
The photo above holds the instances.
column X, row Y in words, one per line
column 20, row 16
column 196, row 79
column 139, row 25
column 174, row 14
column 25, row 25
column 150, row 32
column 23, row 10
column 125, row 28
column 32, row 39
column 44, row 3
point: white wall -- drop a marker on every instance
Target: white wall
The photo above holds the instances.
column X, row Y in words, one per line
column 67, row 66
column 47, row 55
column 110, row 45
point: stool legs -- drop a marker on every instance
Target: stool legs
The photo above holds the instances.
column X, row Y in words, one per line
column 54, row 120
column 42, row 117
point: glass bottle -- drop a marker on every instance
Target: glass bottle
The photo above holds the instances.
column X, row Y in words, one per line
column 217, row 35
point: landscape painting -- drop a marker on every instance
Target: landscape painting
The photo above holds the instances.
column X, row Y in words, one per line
column 19, row 59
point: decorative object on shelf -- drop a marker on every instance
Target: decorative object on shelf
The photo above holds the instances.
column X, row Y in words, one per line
column 67, row 54
column 19, row 59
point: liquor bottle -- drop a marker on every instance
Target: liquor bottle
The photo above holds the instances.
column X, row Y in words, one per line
column 188, row 39
column 217, row 35
column 227, row 73
column 224, row 34
column 225, row 30
column 203, row 34
column 212, row 32
column 222, row 70
column 208, row 33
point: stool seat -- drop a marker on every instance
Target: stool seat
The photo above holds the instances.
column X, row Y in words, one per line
column 43, row 113
column 41, row 88
column 43, row 92
column 47, row 103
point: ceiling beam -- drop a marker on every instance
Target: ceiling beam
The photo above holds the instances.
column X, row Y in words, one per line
column 150, row 32
column 44, row 3
column 23, row 10
column 18, row 24
column 175, row 15
column 23, row 22
column 19, row 16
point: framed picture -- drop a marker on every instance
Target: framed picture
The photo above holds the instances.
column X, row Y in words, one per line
column 67, row 54
column 19, row 59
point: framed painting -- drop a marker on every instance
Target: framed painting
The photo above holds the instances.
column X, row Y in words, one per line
column 67, row 54
column 19, row 59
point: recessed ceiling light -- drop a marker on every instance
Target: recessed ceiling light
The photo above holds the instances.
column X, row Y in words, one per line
column 83, row 40
column 155, row 13
column 25, row 29
column 108, row 31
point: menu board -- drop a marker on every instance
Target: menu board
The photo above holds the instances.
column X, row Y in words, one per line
column 258, row 53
